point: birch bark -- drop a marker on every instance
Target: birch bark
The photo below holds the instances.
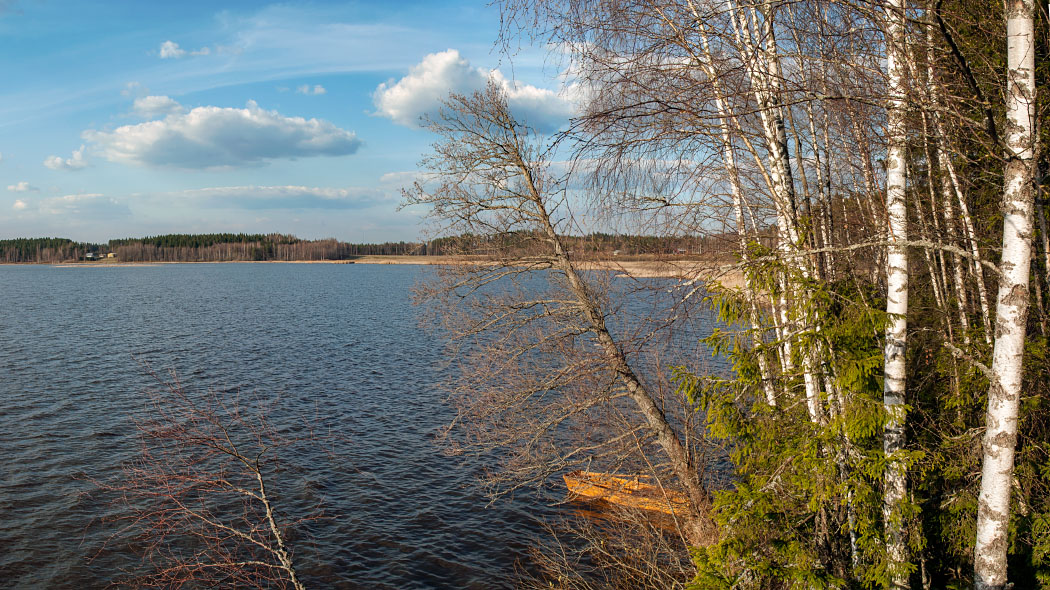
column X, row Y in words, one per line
column 894, row 478
column 768, row 81
column 729, row 162
column 957, row 266
column 1000, row 437
column 778, row 179
column 971, row 238
column 946, row 189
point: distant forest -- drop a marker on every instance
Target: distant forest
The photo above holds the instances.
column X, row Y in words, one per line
column 230, row 247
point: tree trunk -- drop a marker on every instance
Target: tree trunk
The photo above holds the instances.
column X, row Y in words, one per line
column 767, row 80
column 729, row 163
column 1011, row 314
column 681, row 462
column 894, row 479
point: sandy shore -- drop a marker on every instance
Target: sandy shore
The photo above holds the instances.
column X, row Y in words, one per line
column 705, row 270
column 728, row 275
column 725, row 274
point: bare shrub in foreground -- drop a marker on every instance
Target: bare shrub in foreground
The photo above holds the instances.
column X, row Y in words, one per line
column 197, row 503
column 610, row 548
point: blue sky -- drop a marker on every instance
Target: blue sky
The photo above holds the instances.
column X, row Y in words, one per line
column 123, row 119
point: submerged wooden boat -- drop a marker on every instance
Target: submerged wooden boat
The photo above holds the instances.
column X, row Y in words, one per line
column 627, row 491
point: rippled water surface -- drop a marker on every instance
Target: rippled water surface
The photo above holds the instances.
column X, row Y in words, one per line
column 338, row 341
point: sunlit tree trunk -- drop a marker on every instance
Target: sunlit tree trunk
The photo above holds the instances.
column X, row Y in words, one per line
column 729, row 162
column 894, row 479
column 957, row 264
column 1011, row 314
column 767, row 79
column 971, row 239
column 948, row 186
column 823, row 193
column 935, row 260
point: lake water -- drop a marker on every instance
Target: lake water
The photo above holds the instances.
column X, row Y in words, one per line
column 342, row 342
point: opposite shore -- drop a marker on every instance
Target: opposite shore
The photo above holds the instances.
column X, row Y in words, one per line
column 728, row 275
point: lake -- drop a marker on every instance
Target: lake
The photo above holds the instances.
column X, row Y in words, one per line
column 342, row 342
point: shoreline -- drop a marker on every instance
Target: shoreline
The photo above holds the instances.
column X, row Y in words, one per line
column 687, row 269
column 729, row 275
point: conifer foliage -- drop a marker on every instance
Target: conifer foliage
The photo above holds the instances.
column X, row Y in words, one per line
column 878, row 170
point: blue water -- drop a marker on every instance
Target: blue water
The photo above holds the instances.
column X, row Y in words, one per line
column 340, row 342
column 338, row 347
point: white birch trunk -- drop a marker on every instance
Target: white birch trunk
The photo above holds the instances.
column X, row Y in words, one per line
column 971, row 238
column 947, row 193
column 1011, row 313
column 938, row 275
column 949, row 222
column 777, row 176
column 768, row 78
column 828, row 195
column 894, row 478
column 729, row 162
column 823, row 192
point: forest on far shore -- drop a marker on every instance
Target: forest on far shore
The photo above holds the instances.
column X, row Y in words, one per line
column 230, row 247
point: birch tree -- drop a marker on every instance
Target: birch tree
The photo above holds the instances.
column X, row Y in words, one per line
column 1011, row 314
column 896, row 295
column 725, row 89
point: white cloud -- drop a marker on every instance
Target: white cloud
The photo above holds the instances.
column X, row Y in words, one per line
column 213, row 137
column 280, row 197
column 306, row 89
column 22, row 187
column 76, row 162
column 430, row 82
column 171, row 50
column 150, row 107
column 19, row 205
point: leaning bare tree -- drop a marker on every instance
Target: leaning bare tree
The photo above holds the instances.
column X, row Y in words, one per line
column 197, row 503
column 545, row 377
column 856, row 150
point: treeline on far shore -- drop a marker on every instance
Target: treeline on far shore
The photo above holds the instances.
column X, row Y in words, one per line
column 229, row 247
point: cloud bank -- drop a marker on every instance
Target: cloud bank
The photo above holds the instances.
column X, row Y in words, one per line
column 283, row 197
column 216, row 137
column 430, row 82
column 80, row 206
